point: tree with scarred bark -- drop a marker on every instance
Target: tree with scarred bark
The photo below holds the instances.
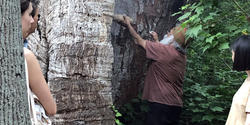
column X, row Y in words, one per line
column 14, row 108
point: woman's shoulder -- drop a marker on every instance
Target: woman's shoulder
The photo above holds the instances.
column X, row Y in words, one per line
column 28, row 54
column 247, row 81
column 246, row 85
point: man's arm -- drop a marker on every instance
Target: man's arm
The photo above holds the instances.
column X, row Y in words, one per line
column 132, row 31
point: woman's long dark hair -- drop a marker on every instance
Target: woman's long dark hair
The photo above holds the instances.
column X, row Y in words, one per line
column 241, row 48
column 24, row 5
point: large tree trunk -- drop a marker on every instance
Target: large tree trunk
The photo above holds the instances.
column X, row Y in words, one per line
column 89, row 64
column 76, row 54
column 14, row 108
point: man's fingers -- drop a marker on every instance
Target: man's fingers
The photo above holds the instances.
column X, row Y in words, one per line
column 153, row 32
column 125, row 18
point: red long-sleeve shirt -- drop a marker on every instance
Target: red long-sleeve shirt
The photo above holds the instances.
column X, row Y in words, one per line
column 164, row 80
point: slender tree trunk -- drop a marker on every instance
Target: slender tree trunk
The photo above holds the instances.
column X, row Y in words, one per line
column 13, row 92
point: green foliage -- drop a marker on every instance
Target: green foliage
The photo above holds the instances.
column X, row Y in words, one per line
column 209, row 82
column 213, row 24
column 117, row 116
column 134, row 112
column 208, row 87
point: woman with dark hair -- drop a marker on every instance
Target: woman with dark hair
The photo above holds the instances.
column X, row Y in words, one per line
column 240, row 110
column 35, row 14
column 36, row 80
column 26, row 10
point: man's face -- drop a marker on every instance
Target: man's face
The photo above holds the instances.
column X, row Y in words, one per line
column 34, row 24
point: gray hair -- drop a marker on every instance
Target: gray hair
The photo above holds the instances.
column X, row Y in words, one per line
column 24, row 5
column 177, row 24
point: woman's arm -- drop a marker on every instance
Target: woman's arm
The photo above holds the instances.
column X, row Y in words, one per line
column 38, row 84
column 247, row 119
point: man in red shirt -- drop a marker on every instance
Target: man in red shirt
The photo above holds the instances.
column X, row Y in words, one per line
column 164, row 80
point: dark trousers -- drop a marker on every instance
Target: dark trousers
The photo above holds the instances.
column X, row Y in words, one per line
column 161, row 114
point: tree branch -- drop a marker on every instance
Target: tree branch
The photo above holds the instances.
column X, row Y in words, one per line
column 243, row 11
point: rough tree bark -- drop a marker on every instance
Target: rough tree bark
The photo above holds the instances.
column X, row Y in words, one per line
column 14, row 108
column 74, row 48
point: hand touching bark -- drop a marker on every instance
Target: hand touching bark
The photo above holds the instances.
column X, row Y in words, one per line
column 137, row 37
column 126, row 20
column 155, row 35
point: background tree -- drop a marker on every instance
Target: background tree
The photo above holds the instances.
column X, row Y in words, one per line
column 13, row 92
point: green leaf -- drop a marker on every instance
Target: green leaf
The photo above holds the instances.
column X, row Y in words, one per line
column 232, row 28
column 205, row 106
column 208, row 18
column 196, row 110
column 224, row 46
column 194, row 6
column 217, row 96
column 208, row 117
column 244, row 31
column 198, row 98
column 217, row 109
column 193, row 31
column 185, row 7
column 218, row 35
column 210, row 39
column 186, row 15
column 199, row 10
column 195, row 18
column 118, row 122
column 176, row 13
column 118, row 114
column 205, row 48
